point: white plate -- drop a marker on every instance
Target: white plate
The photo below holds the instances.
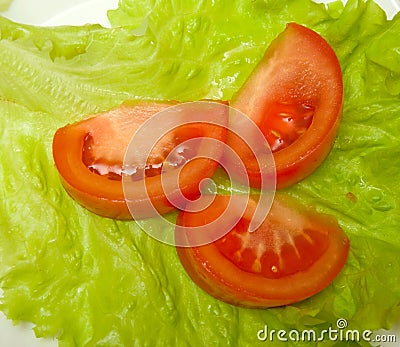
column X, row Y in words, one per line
column 78, row 12
column 60, row 12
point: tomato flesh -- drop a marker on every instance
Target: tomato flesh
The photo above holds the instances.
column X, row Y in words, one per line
column 284, row 123
column 295, row 96
column 288, row 251
column 293, row 255
column 99, row 160
column 89, row 156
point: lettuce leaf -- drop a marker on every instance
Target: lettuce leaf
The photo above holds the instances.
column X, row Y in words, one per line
column 92, row 281
column 4, row 5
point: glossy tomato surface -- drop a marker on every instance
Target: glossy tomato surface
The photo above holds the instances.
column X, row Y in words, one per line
column 89, row 157
column 294, row 254
column 295, row 96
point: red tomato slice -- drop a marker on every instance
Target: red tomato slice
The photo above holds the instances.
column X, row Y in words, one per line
column 295, row 96
column 293, row 255
column 89, row 157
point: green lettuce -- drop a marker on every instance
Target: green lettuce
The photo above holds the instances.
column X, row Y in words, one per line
column 92, row 281
column 5, row 4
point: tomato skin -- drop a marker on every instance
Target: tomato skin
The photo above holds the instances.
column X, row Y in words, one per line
column 105, row 196
column 97, row 193
column 223, row 279
column 299, row 68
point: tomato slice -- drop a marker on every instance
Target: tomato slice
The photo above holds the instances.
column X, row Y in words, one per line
column 89, row 157
column 295, row 96
column 294, row 254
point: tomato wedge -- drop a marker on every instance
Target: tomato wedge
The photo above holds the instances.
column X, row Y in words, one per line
column 89, row 157
column 295, row 96
column 294, row 254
